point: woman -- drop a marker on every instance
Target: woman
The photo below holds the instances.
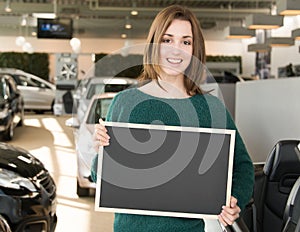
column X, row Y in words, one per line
column 173, row 61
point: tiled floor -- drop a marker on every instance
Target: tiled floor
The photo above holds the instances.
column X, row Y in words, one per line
column 46, row 137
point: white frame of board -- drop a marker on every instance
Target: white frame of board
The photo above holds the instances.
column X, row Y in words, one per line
column 115, row 209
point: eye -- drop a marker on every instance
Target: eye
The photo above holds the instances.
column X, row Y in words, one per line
column 166, row 40
column 187, row 42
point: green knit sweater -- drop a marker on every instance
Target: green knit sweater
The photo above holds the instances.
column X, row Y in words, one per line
column 134, row 106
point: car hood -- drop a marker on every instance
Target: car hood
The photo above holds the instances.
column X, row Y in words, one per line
column 19, row 160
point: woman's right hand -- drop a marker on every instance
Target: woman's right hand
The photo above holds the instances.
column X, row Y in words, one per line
column 101, row 138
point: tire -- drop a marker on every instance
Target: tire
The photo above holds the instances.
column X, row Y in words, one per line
column 9, row 133
column 82, row 192
column 52, row 107
column 21, row 122
column 4, row 226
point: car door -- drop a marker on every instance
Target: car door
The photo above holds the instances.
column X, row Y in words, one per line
column 12, row 102
column 36, row 94
column 15, row 100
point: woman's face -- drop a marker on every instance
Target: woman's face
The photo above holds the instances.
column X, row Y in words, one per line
column 176, row 48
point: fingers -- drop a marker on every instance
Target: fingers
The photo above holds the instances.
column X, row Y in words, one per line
column 233, row 202
column 229, row 214
column 101, row 138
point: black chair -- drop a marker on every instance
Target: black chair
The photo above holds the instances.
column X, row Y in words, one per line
column 298, row 226
column 274, row 183
column 292, row 209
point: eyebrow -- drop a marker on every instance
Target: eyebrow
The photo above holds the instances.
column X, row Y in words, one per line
column 186, row 36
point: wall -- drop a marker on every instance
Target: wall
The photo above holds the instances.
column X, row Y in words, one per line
column 267, row 111
column 53, row 46
column 90, row 46
column 216, row 44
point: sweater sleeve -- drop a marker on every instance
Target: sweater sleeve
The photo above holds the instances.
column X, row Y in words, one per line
column 243, row 170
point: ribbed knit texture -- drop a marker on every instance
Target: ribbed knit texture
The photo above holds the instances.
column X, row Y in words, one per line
column 207, row 111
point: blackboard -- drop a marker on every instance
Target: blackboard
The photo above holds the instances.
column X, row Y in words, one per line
column 165, row 170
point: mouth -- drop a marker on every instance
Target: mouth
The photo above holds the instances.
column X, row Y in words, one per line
column 174, row 60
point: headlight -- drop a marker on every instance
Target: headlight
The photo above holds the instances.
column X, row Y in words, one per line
column 12, row 180
column 4, row 112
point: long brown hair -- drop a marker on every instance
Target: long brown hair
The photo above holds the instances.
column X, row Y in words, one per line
column 194, row 72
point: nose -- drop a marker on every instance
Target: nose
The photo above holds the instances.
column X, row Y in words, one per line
column 176, row 48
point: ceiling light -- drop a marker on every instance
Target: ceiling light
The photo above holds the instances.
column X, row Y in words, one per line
column 261, row 48
column 288, row 7
column 239, row 33
column 263, row 21
column 7, row 6
column 44, row 15
column 128, row 26
column 127, row 23
column 134, row 12
column 123, row 36
column 24, row 20
column 7, row 9
column 280, row 41
column 296, row 34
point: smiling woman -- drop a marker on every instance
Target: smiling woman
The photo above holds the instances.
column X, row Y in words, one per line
column 174, row 61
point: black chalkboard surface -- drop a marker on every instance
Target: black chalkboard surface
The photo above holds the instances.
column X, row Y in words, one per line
column 165, row 170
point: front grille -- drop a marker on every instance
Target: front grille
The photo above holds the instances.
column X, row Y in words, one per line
column 45, row 180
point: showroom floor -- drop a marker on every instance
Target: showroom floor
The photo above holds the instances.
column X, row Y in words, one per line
column 47, row 137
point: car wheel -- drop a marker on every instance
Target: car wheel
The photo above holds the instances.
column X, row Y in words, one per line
column 4, row 226
column 52, row 107
column 21, row 122
column 9, row 133
column 82, row 192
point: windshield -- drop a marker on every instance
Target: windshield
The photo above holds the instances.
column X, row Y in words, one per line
column 98, row 110
column 101, row 88
column 3, row 90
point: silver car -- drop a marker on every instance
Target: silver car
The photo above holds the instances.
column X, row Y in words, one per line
column 98, row 85
column 38, row 94
column 83, row 135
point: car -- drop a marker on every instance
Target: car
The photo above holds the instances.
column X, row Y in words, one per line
column 98, row 85
column 39, row 94
column 27, row 191
column 83, row 135
column 11, row 107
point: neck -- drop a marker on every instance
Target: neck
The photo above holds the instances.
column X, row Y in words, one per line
column 165, row 90
column 172, row 83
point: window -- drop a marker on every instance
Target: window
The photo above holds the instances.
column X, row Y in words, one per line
column 26, row 81
column 98, row 110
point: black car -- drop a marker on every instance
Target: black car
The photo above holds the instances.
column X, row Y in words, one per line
column 11, row 106
column 27, row 191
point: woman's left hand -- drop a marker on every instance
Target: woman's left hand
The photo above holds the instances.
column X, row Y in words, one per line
column 229, row 214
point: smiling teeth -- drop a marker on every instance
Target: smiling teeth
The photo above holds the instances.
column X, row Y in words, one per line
column 174, row 61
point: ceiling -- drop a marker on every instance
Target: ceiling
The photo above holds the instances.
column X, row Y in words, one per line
column 106, row 18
